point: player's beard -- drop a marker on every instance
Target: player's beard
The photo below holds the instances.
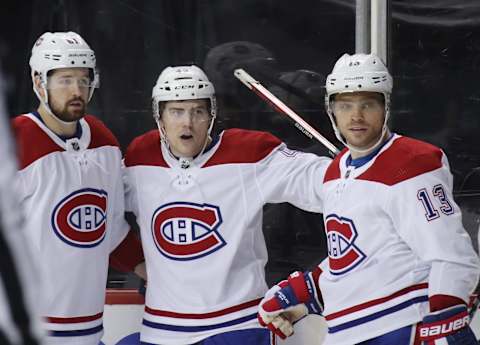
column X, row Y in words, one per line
column 69, row 115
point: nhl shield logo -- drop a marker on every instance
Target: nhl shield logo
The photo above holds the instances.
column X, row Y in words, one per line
column 187, row 231
column 80, row 218
column 343, row 254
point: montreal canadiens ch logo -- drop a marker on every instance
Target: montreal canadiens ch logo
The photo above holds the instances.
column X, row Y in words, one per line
column 80, row 218
column 343, row 254
column 187, row 231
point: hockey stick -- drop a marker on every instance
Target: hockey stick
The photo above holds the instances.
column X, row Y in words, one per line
column 281, row 107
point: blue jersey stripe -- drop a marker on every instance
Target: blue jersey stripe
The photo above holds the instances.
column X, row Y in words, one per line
column 76, row 333
column 198, row 328
column 378, row 314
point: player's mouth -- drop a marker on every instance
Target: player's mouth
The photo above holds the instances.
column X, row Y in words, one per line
column 75, row 104
column 186, row 136
column 357, row 129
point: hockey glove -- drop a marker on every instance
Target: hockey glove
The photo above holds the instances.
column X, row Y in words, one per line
column 288, row 302
column 447, row 326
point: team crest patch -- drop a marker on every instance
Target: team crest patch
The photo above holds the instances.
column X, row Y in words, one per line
column 343, row 254
column 187, row 231
column 80, row 218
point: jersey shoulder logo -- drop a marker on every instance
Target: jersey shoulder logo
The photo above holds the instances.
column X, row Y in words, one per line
column 187, row 231
column 80, row 219
column 343, row 254
column 288, row 152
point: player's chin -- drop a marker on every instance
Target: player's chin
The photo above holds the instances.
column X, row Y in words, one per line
column 356, row 141
column 75, row 114
column 361, row 138
column 190, row 150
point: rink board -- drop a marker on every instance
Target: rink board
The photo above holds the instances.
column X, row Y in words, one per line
column 124, row 310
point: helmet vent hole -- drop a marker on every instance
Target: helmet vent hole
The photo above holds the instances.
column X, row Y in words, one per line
column 84, row 62
column 359, row 86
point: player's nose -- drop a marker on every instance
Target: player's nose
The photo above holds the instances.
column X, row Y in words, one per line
column 357, row 113
column 76, row 89
column 187, row 120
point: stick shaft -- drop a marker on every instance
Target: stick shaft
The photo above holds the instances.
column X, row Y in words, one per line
column 281, row 107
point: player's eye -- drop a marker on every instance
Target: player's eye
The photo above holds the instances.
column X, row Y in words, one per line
column 84, row 82
column 366, row 105
column 200, row 112
column 176, row 112
column 343, row 106
column 370, row 105
column 64, row 81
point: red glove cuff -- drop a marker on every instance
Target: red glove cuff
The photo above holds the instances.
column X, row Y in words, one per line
column 440, row 302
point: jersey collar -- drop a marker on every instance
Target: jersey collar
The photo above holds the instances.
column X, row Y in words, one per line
column 77, row 134
column 358, row 162
column 74, row 144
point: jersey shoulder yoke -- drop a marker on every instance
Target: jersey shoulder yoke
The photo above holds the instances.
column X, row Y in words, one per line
column 100, row 134
column 32, row 142
column 145, row 150
column 406, row 158
column 243, row 146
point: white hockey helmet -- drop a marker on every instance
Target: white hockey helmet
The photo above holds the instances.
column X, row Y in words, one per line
column 356, row 73
column 55, row 50
column 179, row 83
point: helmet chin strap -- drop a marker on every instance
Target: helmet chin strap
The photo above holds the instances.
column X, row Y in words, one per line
column 47, row 106
column 372, row 147
column 163, row 138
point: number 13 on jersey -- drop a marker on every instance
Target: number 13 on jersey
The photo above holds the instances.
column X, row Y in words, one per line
column 439, row 194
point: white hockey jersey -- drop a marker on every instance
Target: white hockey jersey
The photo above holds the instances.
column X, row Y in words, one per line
column 395, row 238
column 72, row 194
column 201, row 228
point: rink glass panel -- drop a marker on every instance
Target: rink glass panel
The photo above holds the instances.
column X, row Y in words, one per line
column 434, row 58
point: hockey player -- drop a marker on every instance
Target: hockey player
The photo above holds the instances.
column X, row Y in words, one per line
column 400, row 266
column 19, row 323
column 198, row 201
column 70, row 184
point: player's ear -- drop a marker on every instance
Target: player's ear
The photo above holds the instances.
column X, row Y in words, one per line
column 37, row 83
